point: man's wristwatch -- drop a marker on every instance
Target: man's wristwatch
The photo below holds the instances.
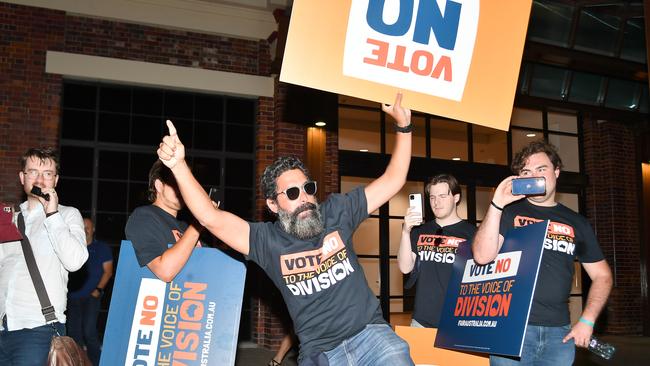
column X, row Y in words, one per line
column 405, row 129
column 101, row 290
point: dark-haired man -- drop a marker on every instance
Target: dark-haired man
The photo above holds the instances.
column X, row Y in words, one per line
column 308, row 252
column 153, row 227
column 428, row 251
column 549, row 338
column 56, row 237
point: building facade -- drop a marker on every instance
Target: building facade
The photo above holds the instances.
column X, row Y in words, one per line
column 97, row 79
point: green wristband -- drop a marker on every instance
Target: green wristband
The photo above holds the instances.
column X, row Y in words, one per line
column 588, row 322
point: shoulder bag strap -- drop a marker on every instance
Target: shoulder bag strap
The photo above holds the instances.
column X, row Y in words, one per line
column 46, row 305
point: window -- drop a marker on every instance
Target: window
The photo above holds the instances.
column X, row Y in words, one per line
column 109, row 135
column 633, row 47
column 550, row 23
column 527, row 118
column 622, row 94
column 598, row 29
column 548, row 82
column 359, row 130
column 490, row 145
column 586, row 88
column 419, row 145
column 448, row 139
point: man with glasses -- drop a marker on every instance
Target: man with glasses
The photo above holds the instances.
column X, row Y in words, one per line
column 550, row 337
column 308, row 252
column 428, row 251
column 57, row 239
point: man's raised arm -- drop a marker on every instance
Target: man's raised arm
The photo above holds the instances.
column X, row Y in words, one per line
column 487, row 241
column 383, row 188
column 230, row 228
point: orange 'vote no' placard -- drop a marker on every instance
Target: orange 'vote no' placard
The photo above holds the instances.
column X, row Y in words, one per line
column 454, row 58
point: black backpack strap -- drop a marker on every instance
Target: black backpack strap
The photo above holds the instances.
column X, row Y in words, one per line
column 46, row 305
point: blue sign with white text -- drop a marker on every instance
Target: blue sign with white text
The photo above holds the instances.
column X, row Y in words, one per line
column 192, row 320
column 487, row 306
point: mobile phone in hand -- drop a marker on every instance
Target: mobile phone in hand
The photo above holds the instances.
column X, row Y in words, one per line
column 215, row 195
column 415, row 201
column 36, row 190
column 529, row 186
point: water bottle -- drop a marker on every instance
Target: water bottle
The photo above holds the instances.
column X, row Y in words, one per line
column 602, row 349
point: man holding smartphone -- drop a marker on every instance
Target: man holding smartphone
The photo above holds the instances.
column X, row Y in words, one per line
column 153, row 227
column 55, row 234
column 549, row 338
column 428, row 251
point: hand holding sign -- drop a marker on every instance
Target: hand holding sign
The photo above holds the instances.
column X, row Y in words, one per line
column 401, row 115
column 171, row 149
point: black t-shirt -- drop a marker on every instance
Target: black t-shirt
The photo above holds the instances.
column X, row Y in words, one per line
column 320, row 279
column 151, row 229
column 569, row 236
column 435, row 265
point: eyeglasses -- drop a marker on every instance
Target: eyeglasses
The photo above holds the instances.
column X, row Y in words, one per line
column 34, row 173
column 293, row 193
column 438, row 239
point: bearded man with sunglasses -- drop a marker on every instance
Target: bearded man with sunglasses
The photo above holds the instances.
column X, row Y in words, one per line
column 57, row 239
column 428, row 251
column 308, row 252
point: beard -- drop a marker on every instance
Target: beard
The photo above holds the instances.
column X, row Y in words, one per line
column 302, row 228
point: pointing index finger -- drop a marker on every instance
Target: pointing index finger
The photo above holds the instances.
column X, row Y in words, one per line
column 172, row 129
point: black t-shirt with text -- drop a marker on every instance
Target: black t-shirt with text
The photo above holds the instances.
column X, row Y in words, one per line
column 321, row 280
column 151, row 229
column 569, row 236
column 436, row 255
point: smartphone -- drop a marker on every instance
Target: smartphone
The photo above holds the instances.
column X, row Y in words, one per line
column 529, row 186
column 215, row 195
column 415, row 200
column 36, row 190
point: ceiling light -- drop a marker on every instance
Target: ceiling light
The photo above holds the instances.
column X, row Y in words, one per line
column 530, row 135
column 320, row 123
column 364, row 150
column 455, row 159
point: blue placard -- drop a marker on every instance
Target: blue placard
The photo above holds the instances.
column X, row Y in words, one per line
column 192, row 320
column 486, row 307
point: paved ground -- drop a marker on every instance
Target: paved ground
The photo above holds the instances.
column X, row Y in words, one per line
column 249, row 354
column 630, row 351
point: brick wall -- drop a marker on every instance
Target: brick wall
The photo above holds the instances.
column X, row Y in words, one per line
column 29, row 98
column 136, row 42
column 331, row 171
column 613, row 209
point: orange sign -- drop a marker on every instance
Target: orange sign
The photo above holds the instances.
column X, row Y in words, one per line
column 423, row 352
column 454, row 58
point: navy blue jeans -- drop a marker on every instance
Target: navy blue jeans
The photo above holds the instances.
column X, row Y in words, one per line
column 542, row 347
column 82, row 325
column 376, row 345
column 27, row 347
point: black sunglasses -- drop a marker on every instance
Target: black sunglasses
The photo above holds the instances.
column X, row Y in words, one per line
column 293, row 193
column 438, row 240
